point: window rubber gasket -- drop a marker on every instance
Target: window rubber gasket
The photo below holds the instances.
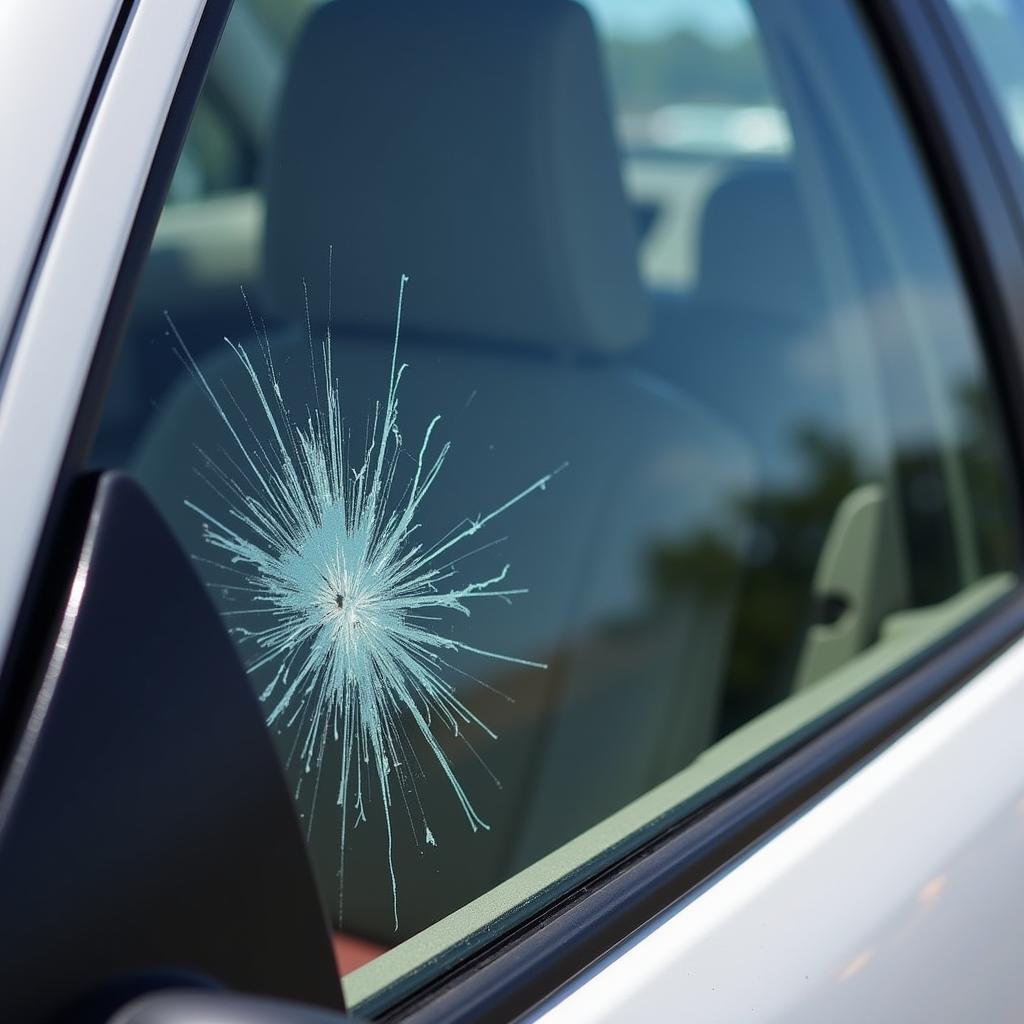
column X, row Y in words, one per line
column 523, row 967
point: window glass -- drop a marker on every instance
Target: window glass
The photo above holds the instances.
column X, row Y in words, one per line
column 995, row 28
column 692, row 96
column 569, row 408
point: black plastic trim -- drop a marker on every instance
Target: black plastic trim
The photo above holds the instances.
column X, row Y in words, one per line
column 147, row 833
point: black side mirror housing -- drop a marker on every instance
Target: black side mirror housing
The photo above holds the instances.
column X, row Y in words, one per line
column 145, row 825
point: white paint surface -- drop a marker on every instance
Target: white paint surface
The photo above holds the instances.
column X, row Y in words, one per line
column 50, row 52
column 898, row 897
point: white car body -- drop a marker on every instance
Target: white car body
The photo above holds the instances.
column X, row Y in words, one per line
column 895, row 896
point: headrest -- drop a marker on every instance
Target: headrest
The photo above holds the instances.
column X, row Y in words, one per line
column 468, row 144
column 756, row 250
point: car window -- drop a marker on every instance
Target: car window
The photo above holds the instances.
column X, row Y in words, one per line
column 995, row 30
column 569, row 409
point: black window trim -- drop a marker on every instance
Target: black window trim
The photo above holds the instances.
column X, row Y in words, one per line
column 521, row 969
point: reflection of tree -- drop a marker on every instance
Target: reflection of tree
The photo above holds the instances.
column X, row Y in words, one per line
column 986, row 465
column 614, row 661
column 788, row 528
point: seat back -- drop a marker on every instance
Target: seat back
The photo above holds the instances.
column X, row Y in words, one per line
column 473, row 150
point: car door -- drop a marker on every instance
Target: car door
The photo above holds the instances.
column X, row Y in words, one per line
column 588, row 437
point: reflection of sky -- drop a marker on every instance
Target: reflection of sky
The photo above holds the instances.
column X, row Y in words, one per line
column 720, row 20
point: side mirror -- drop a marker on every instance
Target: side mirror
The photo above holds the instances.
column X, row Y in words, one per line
column 145, row 825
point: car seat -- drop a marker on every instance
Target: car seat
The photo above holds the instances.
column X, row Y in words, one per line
column 471, row 147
